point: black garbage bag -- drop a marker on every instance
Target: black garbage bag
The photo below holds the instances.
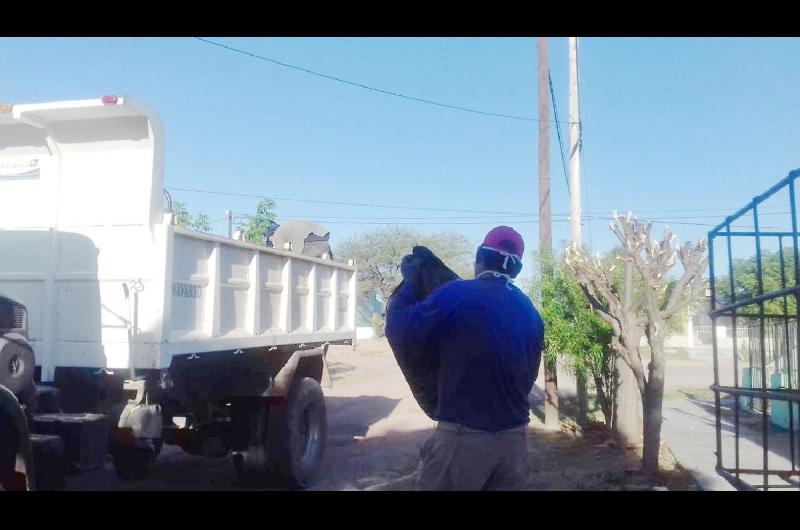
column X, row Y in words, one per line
column 421, row 369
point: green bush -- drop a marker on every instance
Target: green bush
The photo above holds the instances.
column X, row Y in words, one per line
column 379, row 325
column 574, row 333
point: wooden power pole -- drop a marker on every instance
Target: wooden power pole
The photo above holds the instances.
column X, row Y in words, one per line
column 551, row 418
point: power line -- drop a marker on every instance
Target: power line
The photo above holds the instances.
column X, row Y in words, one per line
column 348, row 203
column 447, row 221
column 663, row 221
column 345, row 203
column 494, row 222
column 558, row 130
column 528, row 221
column 368, row 87
column 588, row 216
column 719, row 216
column 489, row 218
column 426, row 218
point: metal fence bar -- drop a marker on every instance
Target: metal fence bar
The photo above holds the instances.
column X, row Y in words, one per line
column 796, row 255
column 760, row 284
column 788, row 354
column 776, row 472
column 772, row 395
column 755, row 300
column 762, row 234
column 735, row 352
column 731, row 218
column 717, row 411
column 755, row 315
column 737, row 482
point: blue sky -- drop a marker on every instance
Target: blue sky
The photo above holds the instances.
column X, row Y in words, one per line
column 673, row 127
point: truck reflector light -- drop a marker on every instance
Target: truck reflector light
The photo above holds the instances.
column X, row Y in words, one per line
column 5, row 108
column 109, row 100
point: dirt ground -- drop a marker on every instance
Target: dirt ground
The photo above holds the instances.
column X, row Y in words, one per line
column 375, row 430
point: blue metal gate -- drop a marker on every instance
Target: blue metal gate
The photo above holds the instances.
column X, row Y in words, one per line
column 768, row 301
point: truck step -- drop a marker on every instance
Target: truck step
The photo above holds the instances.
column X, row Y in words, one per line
column 49, row 461
column 85, row 436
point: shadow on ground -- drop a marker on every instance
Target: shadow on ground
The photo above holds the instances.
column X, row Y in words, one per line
column 351, row 462
column 338, row 370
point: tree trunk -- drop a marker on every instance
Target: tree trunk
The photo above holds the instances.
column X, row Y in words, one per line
column 653, row 400
column 627, row 415
column 551, row 419
column 606, row 401
column 583, row 400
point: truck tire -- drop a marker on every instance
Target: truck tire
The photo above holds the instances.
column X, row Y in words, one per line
column 50, row 461
column 297, row 434
column 15, row 445
column 17, row 363
column 9, row 442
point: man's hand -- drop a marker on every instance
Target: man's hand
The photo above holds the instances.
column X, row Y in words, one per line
column 410, row 269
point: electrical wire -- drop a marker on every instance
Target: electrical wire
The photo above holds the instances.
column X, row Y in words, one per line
column 558, row 131
column 367, row 87
column 365, row 220
column 344, row 203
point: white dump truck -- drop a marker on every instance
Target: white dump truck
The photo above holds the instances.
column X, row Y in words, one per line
column 172, row 335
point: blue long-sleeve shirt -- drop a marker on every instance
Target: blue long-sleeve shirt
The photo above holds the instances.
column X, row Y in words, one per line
column 489, row 341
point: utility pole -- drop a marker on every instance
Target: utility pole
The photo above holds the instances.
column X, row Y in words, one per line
column 574, row 144
column 575, row 215
column 229, row 215
column 551, row 418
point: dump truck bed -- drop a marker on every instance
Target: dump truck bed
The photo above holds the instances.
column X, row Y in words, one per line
column 106, row 277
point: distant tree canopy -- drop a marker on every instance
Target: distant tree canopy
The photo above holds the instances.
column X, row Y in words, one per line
column 378, row 254
column 183, row 218
column 257, row 227
column 745, row 280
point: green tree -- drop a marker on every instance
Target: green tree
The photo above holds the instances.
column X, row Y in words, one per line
column 574, row 333
column 200, row 223
column 183, row 218
column 378, row 254
column 256, row 227
column 182, row 215
column 745, row 280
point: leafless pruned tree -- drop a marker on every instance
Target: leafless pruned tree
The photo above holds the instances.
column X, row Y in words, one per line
column 633, row 313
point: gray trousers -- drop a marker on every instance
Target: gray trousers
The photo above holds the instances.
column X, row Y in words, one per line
column 456, row 457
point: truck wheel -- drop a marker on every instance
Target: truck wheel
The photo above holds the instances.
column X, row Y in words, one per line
column 298, row 433
column 17, row 363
